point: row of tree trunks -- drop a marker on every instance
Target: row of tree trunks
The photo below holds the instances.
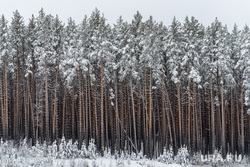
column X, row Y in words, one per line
column 137, row 115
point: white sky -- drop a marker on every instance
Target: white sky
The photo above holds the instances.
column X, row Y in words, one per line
column 227, row 11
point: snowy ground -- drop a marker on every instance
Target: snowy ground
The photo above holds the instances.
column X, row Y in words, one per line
column 66, row 154
column 102, row 162
column 98, row 162
column 86, row 162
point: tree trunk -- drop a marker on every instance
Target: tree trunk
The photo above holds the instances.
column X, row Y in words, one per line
column 55, row 102
column 102, row 108
column 2, row 107
column 73, row 111
column 117, row 115
column 212, row 114
column 223, row 117
column 90, row 111
column 122, row 118
column 167, row 113
column 237, row 108
column 150, row 113
column 232, row 122
column 6, row 101
column 195, row 126
column 242, row 119
column 87, row 109
column 80, row 108
column 46, row 102
column 64, row 108
column 95, row 109
column 133, row 110
column 179, row 112
column 17, row 122
column 189, row 108
column 30, row 100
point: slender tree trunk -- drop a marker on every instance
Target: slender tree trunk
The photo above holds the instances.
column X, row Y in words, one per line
column 106, row 117
column 163, row 117
column 46, row 102
column 133, row 110
column 73, row 111
column 2, row 107
column 212, row 114
column 87, row 109
column 167, row 114
column 200, row 127
column 117, row 115
column 194, row 118
column 26, row 114
column 55, row 102
column 223, row 117
column 6, row 135
column 139, row 117
column 122, row 117
column 17, row 122
column 189, row 107
column 80, row 108
column 95, row 109
column 232, row 122
column 31, row 109
column 64, row 108
column 145, row 113
column 242, row 118
column 237, row 109
column 179, row 112
column 90, row 111
column 34, row 97
column 26, row 98
column 102, row 108
column 150, row 113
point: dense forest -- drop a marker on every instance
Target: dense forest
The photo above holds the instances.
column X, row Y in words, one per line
column 129, row 86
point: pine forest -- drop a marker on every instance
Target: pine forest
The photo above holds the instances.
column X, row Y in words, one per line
column 135, row 86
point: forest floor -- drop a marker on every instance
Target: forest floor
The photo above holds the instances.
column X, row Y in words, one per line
column 98, row 162
column 104, row 162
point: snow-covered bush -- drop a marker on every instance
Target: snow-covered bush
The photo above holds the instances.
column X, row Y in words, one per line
column 195, row 159
column 37, row 150
column 52, row 151
column 167, row 156
column 182, row 157
column 120, row 161
column 23, row 148
column 83, row 152
column 107, row 153
column 92, row 149
column 62, row 152
column 133, row 156
column 75, row 151
column 217, row 159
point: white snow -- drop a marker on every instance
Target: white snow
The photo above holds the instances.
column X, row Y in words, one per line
column 104, row 162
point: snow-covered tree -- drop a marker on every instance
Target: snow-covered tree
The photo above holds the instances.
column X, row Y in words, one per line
column 5, row 58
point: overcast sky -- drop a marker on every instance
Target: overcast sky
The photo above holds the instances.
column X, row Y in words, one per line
column 227, row 11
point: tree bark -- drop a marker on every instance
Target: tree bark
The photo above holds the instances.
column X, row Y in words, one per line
column 212, row 113
column 46, row 103
column 80, row 108
column 189, row 107
column 179, row 112
column 133, row 110
column 2, row 107
column 102, row 109
column 242, row 119
column 223, row 117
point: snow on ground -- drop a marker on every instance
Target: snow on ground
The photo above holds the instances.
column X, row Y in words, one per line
column 103, row 162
